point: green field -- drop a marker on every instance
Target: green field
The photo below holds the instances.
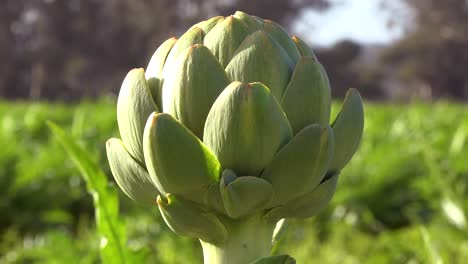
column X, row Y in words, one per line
column 402, row 199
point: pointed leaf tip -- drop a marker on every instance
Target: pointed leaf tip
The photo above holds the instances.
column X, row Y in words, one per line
column 131, row 177
column 189, row 38
column 252, row 23
column 244, row 195
column 177, row 160
column 260, row 58
column 301, row 164
column 282, row 37
column 207, row 25
column 187, row 219
column 307, row 99
column 192, row 86
column 348, row 128
column 308, row 204
column 246, row 127
column 135, row 103
column 224, row 39
column 305, row 50
column 153, row 72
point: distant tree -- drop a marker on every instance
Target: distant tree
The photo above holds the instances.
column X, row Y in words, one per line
column 338, row 61
column 350, row 64
column 433, row 54
column 283, row 11
column 70, row 49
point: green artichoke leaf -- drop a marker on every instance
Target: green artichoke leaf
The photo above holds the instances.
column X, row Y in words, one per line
column 209, row 24
column 278, row 259
column 301, row 164
column 283, row 38
column 189, row 38
column 307, row 99
column 305, row 50
column 188, row 219
column 252, row 23
column 134, row 105
column 191, row 88
column 260, row 58
column 246, row 127
column 131, row 177
column 177, row 160
column 213, row 200
column 244, row 195
column 308, row 204
column 153, row 72
column 224, row 39
column 347, row 127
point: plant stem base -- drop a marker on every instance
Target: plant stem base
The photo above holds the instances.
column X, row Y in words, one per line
column 248, row 240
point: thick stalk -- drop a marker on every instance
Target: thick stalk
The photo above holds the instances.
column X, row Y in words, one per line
column 248, row 240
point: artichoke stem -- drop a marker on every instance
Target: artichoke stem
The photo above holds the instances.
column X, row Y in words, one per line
column 248, row 239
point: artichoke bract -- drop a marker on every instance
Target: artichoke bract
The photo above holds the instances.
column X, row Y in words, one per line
column 228, row 131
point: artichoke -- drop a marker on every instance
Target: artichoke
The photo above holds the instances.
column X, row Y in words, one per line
column 228, row 131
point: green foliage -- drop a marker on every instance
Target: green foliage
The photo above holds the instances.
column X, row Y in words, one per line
column 400, row 200
column 111, row 230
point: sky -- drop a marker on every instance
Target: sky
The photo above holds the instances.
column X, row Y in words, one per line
column 359, row 20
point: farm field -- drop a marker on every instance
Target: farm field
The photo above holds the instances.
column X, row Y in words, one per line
column 402, row 199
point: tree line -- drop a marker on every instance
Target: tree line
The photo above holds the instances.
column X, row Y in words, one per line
column 68, row 50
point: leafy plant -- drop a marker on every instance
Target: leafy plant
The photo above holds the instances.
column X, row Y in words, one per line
column 384, row 195
column 229, row 127
column 111, row 229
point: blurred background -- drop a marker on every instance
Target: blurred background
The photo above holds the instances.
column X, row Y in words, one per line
column 403, row 198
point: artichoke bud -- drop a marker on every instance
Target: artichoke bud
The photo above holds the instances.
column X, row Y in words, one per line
column 307, row 99
column 209, row 24
column 279, row 259
column 260, row 58
column 301, row 164
column 134, row 105
column 252, row 23
column 192, row 86
column 307, row 205
column 224, row 39
column 131, row 177
column 347, row 127
column 244, row 195
column 189, row 38
column 305, row 50
column 246, row 127
column 282, row 37
column 177, row 160
column 187, row 219
column 154, row 70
